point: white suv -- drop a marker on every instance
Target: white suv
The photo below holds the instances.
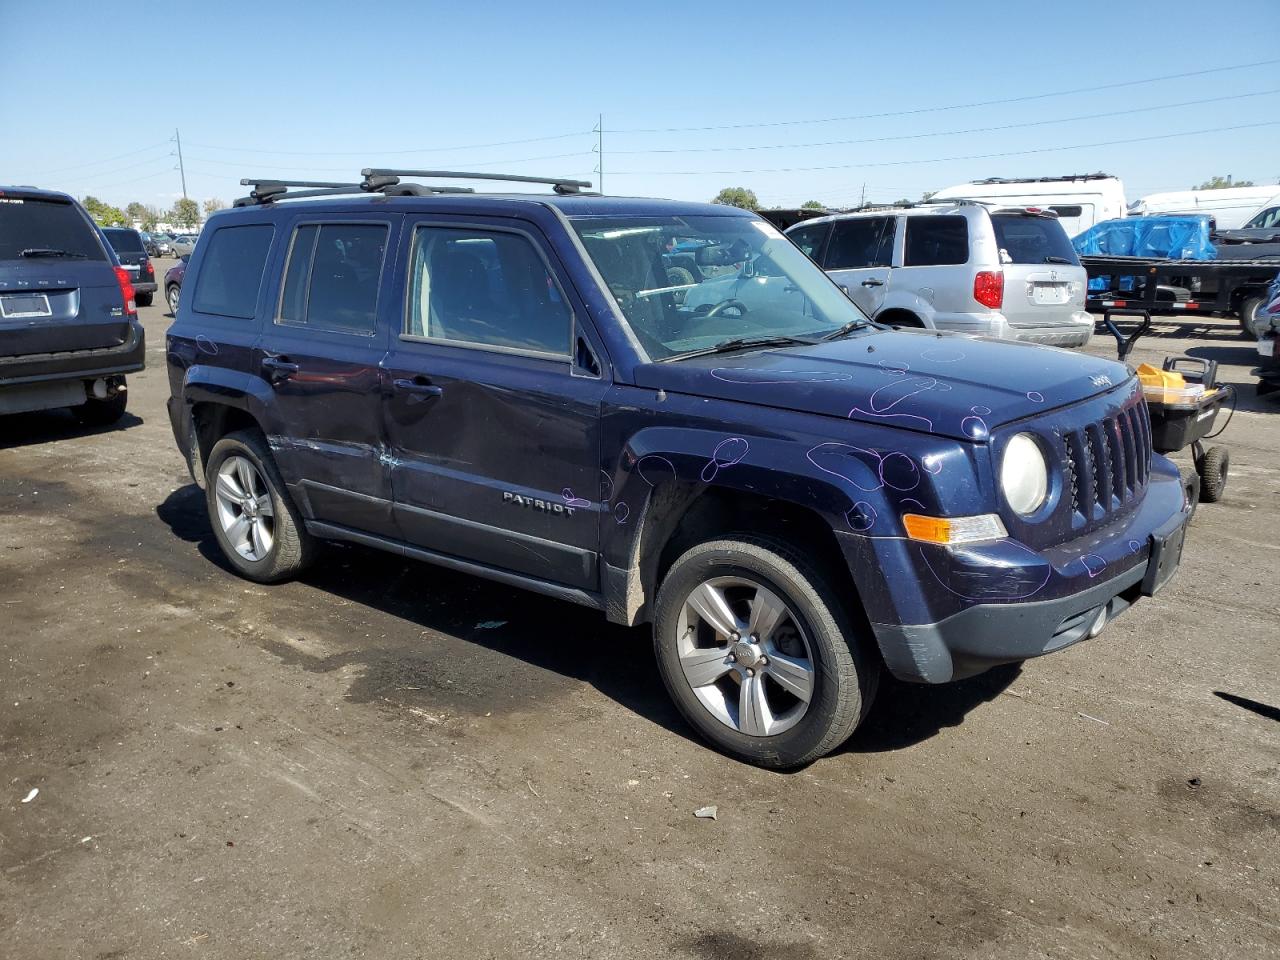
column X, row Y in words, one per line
column 957, row 266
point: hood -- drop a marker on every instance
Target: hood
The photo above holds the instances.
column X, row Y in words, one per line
column 948, row 384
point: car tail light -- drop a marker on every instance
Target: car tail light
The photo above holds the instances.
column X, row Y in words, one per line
column 150, row 269
column 988, row 288
column 126, row 291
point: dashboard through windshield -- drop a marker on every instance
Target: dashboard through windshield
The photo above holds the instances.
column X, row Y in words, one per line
column 685, row 284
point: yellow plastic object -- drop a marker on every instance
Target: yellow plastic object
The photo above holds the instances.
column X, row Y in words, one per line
column 1168, row 386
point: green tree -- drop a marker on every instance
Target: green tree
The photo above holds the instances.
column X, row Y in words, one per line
column 213, row 205
column 137, row 213
column 1222, row 183
column 813, row 205
column 738, row 197
column 104, row 214
column 926, row 195
column 150, row 217
column 185, row 213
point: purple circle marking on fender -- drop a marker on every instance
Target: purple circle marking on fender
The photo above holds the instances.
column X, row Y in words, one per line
column 653, row 463
column 1135, row 546
column 1035, row 396
column 727, row 452
column 861, row 516
column 620, row 512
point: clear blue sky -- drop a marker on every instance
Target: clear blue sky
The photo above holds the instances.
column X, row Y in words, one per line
column 317, row 90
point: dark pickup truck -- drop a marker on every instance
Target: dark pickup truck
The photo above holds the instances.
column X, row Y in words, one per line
column 69, row 330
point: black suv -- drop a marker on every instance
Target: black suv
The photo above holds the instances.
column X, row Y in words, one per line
column 69, row 330
column 535, row 390
column 133, row 256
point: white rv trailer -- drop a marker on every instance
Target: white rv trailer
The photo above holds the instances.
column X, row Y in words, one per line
column 1079, row 201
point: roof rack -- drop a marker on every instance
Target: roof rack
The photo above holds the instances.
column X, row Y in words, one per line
column 387, row 183
column 561, row 185
column 269, row 190
column 1066, row 179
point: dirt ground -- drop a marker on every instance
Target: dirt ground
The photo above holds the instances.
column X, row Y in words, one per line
column 389, row 760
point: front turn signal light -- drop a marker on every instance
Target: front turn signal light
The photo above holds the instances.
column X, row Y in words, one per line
column 953, row 530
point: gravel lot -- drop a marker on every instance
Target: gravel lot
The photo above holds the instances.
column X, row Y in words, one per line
column 390, row 760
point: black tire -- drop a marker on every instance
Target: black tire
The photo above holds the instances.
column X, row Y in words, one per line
column 1213, row 473
column 102, row 413
column 292, row 548
column 1248, row 315
column 1191, row 487
column 143, row 299
column 171, row 295
column 846, row 670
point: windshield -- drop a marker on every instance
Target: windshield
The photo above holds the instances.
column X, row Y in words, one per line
column 27, row 223
column 1032, row 239
column 688, row 283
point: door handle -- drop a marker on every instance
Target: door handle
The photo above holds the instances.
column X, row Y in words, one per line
column 418, row 385
column 873, row 282
column 279, row 368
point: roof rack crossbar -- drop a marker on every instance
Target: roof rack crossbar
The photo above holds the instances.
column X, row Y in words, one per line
column 561, row 185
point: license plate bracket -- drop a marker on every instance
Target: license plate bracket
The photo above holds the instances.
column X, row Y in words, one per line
column 1166, row 555
column 23, row 306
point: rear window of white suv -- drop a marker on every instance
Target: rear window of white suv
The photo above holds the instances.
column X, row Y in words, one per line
column 1026, row 238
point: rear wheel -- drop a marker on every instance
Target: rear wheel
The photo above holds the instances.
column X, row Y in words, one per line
column 104, row 411
column 171, row 295
column 1249, row 320
column 143, row 299
column 759, row 654
column 254, row 520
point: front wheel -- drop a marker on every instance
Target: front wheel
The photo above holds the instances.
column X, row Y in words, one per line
column 1250, row 322
column 759, row 654
column 254, row 520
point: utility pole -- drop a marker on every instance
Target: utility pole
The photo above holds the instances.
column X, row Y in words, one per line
column 863, row 201
column 599, row 132
column 183, row 170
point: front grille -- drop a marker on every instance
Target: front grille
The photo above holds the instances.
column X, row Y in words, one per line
column 1107, row 462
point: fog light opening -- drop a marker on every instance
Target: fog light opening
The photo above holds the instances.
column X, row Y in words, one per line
column 100, row 389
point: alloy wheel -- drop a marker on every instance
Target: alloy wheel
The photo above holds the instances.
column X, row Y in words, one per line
column 245, row 512
column 745, row 656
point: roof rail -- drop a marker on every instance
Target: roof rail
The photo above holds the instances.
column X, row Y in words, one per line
column 1065, row 179
column 561, row 185
column 270, row 190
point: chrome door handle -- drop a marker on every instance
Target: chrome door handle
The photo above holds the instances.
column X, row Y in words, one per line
column 421, row 387
column 873, row 282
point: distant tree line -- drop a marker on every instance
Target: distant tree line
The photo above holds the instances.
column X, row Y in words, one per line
column 184, row 213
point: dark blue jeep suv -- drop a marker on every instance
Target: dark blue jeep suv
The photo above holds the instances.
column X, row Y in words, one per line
column 531, row 389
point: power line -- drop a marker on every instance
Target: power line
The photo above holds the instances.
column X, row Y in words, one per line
column 954, row 106
column 354, row 171
column 128, row 166
column 903, row 163
column 949, row 133
column 391, row 153
column 119, row 156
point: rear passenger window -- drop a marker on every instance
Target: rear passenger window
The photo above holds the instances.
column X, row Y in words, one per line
column 1072, row 211
column 862, row 242
column 936, row 241
column 231, row 271
column 331, row 280
column 810, row 239
column 489, row 288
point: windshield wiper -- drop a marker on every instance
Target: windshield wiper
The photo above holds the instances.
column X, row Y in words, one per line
column 48, row 252
column 741, row 343
column 1052, row 259
column 847, row 329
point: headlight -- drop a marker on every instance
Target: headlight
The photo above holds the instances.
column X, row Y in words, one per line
column 1024, row 476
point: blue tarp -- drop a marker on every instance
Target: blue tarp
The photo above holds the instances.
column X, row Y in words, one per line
column 1172, row 238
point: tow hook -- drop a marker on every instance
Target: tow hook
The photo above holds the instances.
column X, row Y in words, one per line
column 103, row 388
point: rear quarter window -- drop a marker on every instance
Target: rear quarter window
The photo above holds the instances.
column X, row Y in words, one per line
column 231, row 270
column 38, row 224
column 936, row 241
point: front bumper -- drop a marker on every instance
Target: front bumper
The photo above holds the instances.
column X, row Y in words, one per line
column 1011, row 612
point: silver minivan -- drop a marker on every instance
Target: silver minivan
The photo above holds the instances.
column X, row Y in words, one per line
column 965, row 266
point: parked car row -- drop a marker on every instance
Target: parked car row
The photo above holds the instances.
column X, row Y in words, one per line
column 168, row 244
